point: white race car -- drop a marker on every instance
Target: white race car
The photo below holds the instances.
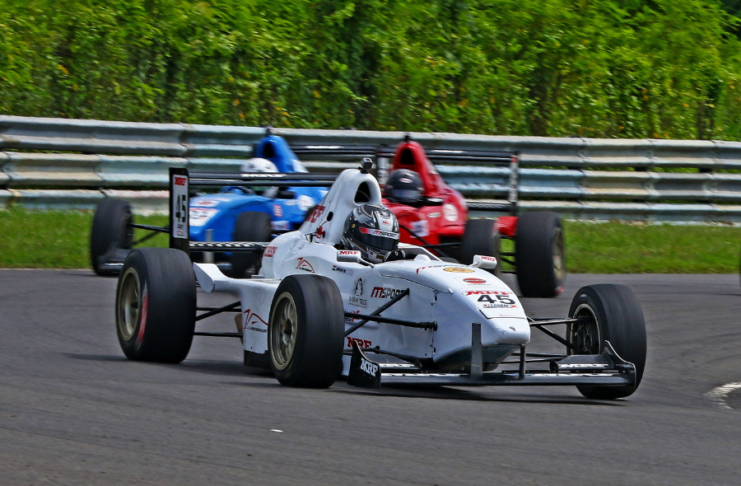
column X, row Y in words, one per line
column 319, row 309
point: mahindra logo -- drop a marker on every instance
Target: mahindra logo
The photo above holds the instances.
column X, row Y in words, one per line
column 304, row 265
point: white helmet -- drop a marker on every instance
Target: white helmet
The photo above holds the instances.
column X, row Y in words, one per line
column 258, row 165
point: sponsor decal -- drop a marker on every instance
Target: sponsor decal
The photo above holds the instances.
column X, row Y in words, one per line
column 487, row 258
column 180, row 207
column 428, row 267
column 421, row 228
column 253, row 322
column 377, row 232
column 496, row 301
column 368, row 367
column 405, row 180
column 318, row 211
column 357, row 298
column 280, row 225
column 487, row 292
column 352, row 319
column 458, row 270
column 270, row 251
column 278, row 210
column 320, row 232
column 305, row 202
column 383, row 293
column 344, row 271
column 475, row 281
column 349, row 252
column 434, row 215
column 450, row 213
column 201, row 216
column 303, row 265
column 362, row 343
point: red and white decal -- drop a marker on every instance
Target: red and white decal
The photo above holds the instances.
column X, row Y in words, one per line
column 180, row 181
column 348, row 253
column 304, row 265
column 318, row 211
column 450, row 213
column 430, row 266
column 475, row 281
column 362, row 343
column 270, row 251
column 253, row 322
column 383, row 293
column 488, row 292
column 278, row 210
column 201, row 216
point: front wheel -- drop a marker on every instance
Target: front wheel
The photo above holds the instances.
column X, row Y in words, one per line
column 306, row 332
column 612, row 313
column 540, row 254
column 156, row 305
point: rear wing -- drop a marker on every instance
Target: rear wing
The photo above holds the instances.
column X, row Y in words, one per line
column 384, row 154
column 181, row 181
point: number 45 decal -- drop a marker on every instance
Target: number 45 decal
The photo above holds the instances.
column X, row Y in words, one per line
column 502, row 299
column 181, row 212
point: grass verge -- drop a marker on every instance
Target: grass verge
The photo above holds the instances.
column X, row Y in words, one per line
column 60, row 239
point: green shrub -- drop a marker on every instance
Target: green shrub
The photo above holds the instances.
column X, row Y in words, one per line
column 597, row 68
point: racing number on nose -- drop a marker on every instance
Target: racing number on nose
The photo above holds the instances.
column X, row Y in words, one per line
column 501, row 298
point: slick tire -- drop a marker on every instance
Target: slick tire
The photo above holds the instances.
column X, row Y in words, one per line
column 110, row 230
column 156, row 305
column 306, row 332
column 610, row 313
column 540, row 254
column 251, row 226
column 480, row 238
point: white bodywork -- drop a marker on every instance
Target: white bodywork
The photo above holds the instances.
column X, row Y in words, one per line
column 453, row 295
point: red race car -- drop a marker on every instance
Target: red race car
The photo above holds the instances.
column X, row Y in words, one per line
column 435, row 216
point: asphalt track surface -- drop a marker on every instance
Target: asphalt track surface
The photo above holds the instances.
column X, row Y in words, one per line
column 74, row 411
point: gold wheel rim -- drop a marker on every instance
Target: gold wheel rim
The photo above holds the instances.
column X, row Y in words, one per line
column 283, row 331
column 128, row 305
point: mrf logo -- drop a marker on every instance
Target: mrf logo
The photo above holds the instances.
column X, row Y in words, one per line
column 304, row 266
column 362, row 343
column 180, row 181
column 368, row 367
column 382, row 293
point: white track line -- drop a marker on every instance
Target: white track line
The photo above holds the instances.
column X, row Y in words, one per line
column 718, row 395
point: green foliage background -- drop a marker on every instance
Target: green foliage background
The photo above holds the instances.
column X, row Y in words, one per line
column 597, row 68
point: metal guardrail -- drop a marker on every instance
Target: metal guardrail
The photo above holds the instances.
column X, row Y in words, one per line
column 59, row 163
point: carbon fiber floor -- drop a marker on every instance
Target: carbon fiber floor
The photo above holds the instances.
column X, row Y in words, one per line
column 74, row 411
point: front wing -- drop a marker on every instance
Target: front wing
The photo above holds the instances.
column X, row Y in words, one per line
column 606, row 369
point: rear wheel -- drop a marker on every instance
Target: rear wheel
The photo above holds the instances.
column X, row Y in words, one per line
column 480, row 238
column 251, row 226
column 110, row 230
column 306, row 332
column 156, row 305
column 608, row 313
column 540, row 254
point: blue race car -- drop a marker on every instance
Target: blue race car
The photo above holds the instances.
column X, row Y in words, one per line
column 235, row 213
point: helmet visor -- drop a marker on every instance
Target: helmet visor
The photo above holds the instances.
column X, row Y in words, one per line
column 406, row 194
column 379, row 239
